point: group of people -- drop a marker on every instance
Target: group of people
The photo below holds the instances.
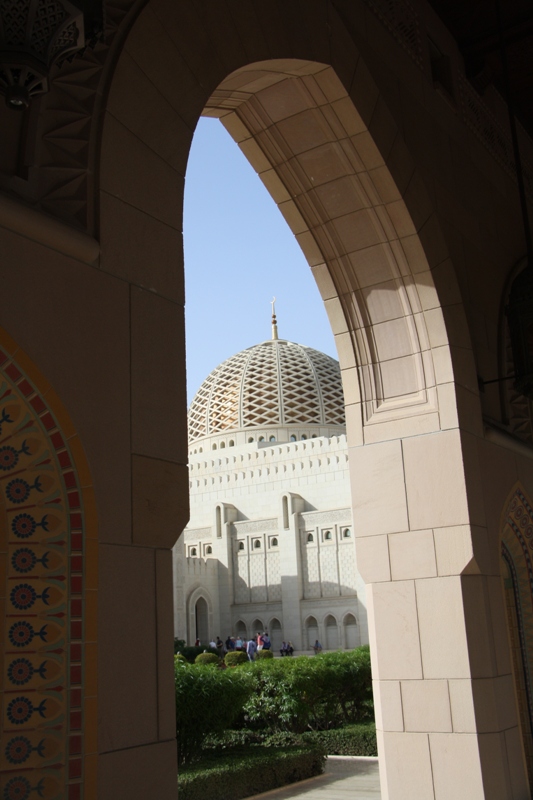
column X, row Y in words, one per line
column 251, row 647
column 286, row 649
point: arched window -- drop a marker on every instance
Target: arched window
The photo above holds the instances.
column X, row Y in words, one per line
column 222, row 445
column 250, row 439
column 285, row 506
column 311, row 626
column 257, row 626
column 208, row 549
column 193, row 551
column 275, row 635
column 261, row 439
column 332, row 633
column 240, row 630
column 351, row 632
column 214, row 446
column 241, row 546
column 218, row 520
column 310, row 537
column 327, row 535
column 346, row 533
column 304, row 436
column 257, row 544
column 201, row 450
column 313, row 436
column 201, row 612
column 293, row 437
column 231, row 443
column 274, row 542
column 272, row 439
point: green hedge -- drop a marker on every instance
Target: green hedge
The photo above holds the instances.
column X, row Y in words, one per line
column 248, row 772
column 191, row 652
column 207, row 701
column 235, row 657
column 264, row 654
column 319, row 693
column 208, row 659
column 352, row 740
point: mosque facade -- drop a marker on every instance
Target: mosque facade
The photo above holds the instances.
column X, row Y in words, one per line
column 270, row 541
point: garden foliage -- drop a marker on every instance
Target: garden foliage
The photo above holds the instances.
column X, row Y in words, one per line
column 264, row 654
column 318, row 693
column 235, row 657
column 208, row 659
column 190, row 652
column 273, row 702
column 207, row 700
column 239, row 775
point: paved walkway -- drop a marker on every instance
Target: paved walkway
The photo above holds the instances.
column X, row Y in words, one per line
column 345, row 778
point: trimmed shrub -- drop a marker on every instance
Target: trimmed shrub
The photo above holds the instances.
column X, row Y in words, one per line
column 207, row 701
column 249, row 772
column 235, row 657
column 264, row 654
column 297, row 694
column 352, row 740
column 191, row 652
column 207, row 659
column 181, row 658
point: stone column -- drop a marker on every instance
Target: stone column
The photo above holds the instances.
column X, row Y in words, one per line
column 445, row 708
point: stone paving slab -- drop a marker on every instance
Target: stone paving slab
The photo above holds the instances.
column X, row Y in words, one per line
column 345, row 778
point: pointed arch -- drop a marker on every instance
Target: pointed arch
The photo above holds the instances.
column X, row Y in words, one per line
column 350, row 631
column 48, row 532
column 331, row 628
column 196, row 593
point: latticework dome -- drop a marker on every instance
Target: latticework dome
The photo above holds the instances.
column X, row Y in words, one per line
column 275, row 383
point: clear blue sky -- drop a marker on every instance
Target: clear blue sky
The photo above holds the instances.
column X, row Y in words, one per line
column 239, row 253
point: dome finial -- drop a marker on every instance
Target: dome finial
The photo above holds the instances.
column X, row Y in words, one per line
column 274, row 322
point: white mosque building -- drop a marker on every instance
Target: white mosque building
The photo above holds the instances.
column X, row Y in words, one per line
column 270, row 542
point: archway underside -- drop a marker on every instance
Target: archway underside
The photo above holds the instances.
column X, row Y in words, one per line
column 300, row 130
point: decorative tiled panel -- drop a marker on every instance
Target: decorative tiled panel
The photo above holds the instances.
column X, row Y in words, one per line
column 258, row 578
column 43, row 555
column 274, row 576
column 329, row 571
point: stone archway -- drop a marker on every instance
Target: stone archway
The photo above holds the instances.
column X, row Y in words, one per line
column 423, row 196
column 326, row 144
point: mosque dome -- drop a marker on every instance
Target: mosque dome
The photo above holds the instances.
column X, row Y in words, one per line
column 270, row 385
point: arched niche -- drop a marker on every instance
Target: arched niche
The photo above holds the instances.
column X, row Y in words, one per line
column 48, row 536
column 276, row 634
column 311, row 632
column 352, row 637
column 199, row 617
column 331, row 629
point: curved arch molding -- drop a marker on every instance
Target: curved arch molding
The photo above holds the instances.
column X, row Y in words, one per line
column 517, row 553
column 48, row 563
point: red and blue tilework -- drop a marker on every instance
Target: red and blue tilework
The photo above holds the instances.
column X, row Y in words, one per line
column 42, row 573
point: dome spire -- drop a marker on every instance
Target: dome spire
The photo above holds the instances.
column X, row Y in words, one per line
column 274, row 322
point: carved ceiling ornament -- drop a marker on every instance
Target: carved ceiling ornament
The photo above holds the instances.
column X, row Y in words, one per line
column 35, row 35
